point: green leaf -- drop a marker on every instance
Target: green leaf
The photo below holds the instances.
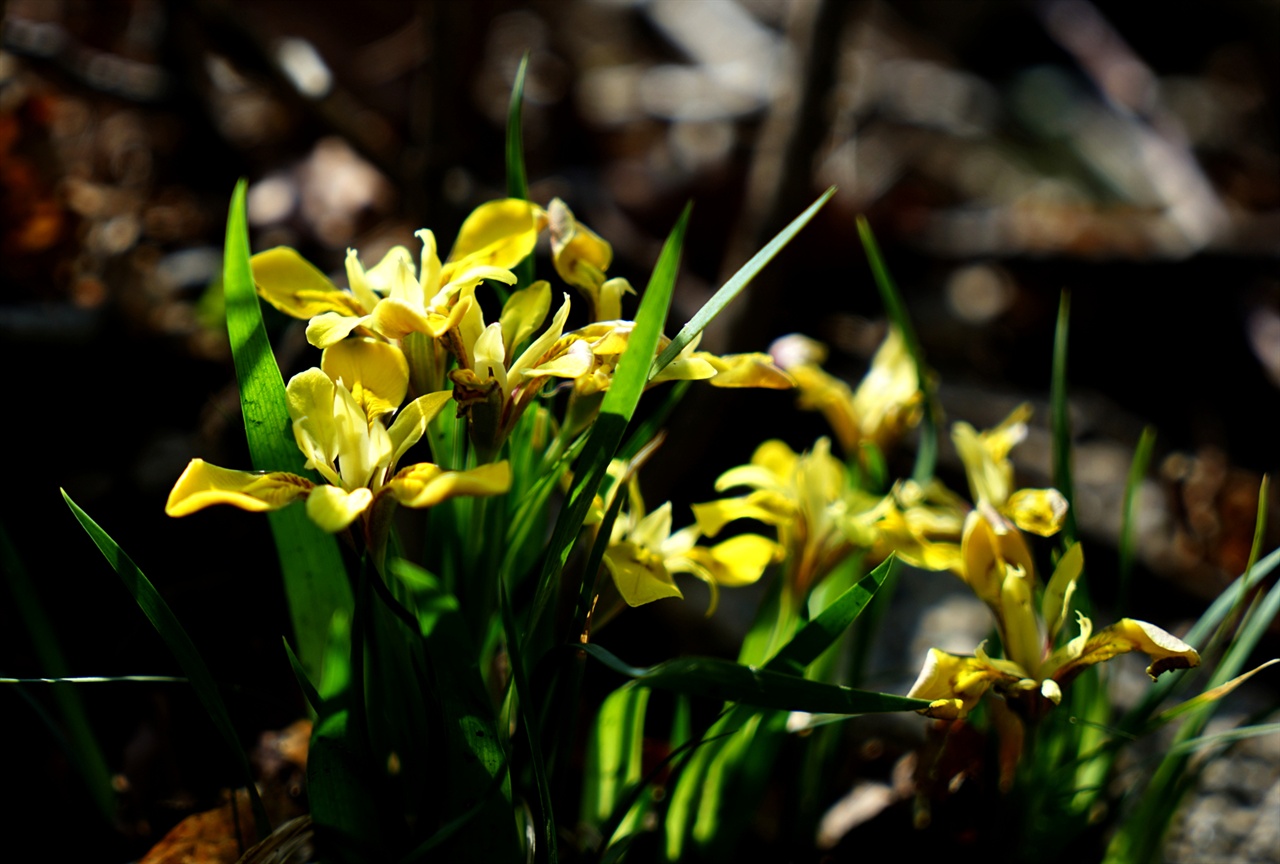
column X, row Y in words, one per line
column 1222, row 739
column 614, row 753
column 616, row 410
column 823, row 631
column 524, row 697
column 727, row 681
column 1138, row 835
column 309, row 691
column 927, row 449
column 736, row 283
column 517, row 181
column 1129, row 511
column 468, row 759
column 343, row 804
column 1061, row 422
column 162, row 618
column 315, row 580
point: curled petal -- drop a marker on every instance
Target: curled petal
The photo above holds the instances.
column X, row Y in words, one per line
column 953, row 684
column 1167, row 652
column 823, row 392
column 395, row 319
column 425, row 485
column 609, row 304
column 747, row 370
column 293, row 285
column 1040, row 511
column 202, row 485
column 333, row 508
column 579, row 254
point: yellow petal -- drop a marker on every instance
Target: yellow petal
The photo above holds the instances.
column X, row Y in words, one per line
column 523, row 313
column 579, row 254
column 202, row 485
column 651, row 531
column 1019, row 629
column 333, row 508
column 499, row 233
column 389, row 277
column 395, row 319
column 573, row 363
column 1056, row 603
column 411, row 423
column 954, row 684
column 639, row 574
column 376, row 373
column 985, row 548
column 747, row 370
column 686, row 367
column 742, row 560
column 609, row 303
column 765, row 507
column 888, row 399
column 1040, row 511
column 293, row 285
column 330, row 328
column 310, row 404
column 551, row 355
column 425, row 485
column 1167, row 652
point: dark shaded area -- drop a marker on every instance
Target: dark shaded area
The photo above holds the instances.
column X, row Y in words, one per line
column 1002, row 151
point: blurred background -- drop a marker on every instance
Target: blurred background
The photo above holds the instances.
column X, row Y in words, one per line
column 1003, row 152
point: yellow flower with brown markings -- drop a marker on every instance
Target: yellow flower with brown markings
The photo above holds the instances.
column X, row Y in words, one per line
column 339, row 414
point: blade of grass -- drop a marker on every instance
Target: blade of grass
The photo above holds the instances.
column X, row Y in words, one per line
column 517, row 180
column 927, row 450
column 1203, row 629
column 731, row 289
column 1129, row 513
column 1061, row 422
column 724, row 680
column 315, row 579
column 520, row 681
column 1231, row 736
column 1138, row 838
column 83, row 748
column 616, row 410
column 166, row 624
column 822, row 632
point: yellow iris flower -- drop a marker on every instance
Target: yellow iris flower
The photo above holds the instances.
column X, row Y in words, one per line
column 820, row 517
column 643, row 555
column 1033, row 672
column 995, row 561
column 390, row 300
column 580, row 257
column 492, row 384
column 885, row 405
column 339, row 414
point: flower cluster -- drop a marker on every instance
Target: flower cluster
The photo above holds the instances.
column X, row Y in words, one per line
column 418, row 332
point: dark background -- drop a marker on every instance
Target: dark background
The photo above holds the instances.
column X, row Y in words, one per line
column 1003, row 152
